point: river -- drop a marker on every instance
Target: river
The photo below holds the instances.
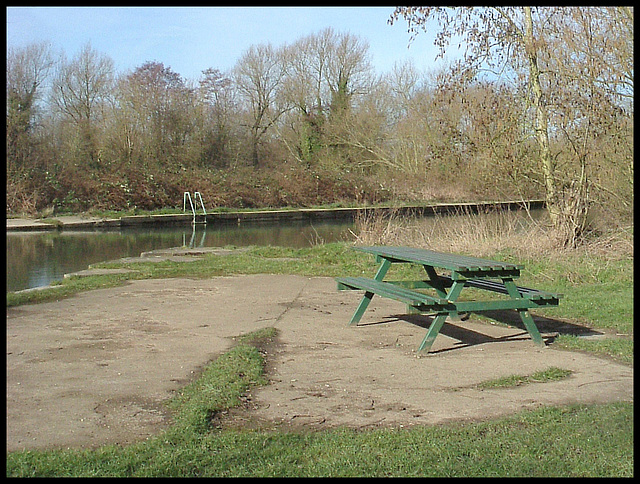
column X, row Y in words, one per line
column 35, row 259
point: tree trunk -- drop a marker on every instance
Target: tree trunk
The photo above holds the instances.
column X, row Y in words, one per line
column 567, row 211
column 541, row 123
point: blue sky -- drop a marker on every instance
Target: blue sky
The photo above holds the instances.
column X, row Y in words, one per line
column 191, row 39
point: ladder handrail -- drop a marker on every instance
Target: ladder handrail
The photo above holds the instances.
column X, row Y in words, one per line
column 184, row 203
column 196, row 195
column 201, row 202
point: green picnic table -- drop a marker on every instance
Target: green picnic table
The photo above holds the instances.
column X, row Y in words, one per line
column 463, row 272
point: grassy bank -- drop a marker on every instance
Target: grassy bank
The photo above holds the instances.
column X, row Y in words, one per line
column 583, row 440
column 569, row 441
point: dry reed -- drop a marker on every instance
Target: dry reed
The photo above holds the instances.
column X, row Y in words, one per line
column 481, row 234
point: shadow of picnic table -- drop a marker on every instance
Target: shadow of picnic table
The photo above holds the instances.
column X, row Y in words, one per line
column 549, row 328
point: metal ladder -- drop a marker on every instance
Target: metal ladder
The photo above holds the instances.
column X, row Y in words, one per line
column 196, row 195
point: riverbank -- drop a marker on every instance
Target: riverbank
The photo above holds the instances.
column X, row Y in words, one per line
column 74, row 222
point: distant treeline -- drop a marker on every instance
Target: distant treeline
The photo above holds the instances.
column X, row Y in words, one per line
column 312, row 123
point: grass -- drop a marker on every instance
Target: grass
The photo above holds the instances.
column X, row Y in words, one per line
column 572, row 441
column 620, row 349
column 550, row 374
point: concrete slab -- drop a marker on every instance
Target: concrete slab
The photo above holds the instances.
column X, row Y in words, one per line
column 96, row 368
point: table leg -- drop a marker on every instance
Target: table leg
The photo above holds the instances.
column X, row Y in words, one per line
column 526, row 318
column 531, row 327
column 366, row 299
column 436, row 281
column 440, row 318
column 433, row 331
column 440, row 286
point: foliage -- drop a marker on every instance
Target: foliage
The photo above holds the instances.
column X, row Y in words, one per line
column 571, row 68
column 311, row 122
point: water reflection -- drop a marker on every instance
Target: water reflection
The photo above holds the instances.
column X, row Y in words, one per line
column 37, row 259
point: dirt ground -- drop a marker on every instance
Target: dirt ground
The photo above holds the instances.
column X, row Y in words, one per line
column 97, row 367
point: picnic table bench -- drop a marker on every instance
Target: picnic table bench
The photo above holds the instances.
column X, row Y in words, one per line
column 487, row 275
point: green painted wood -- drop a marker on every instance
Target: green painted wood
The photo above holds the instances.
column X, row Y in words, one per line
column 432, row 332
column 366, row 299
column 392, row 291
column 436, row 281
column 531, row 327
column 545, row 298
column 499, row 286
column 465, row 272
column 431, row 258
column 425, row 303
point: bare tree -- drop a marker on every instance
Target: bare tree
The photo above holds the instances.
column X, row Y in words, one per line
column 80, row 93
column 326, row 70
column 218, row 101
column 27, row 70
column 591, row 108
column 326, row 73
column 258, row 77
column 158, row 105
column 522, row 40
column 349, row 72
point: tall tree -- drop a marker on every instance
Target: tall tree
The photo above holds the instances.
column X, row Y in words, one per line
column 333, row 72
column 349, row 71
column 305, row 89
column 258, row 77
column 523, row 40
column 218, row 101
column 158, row 104
column 27, row 70
column 80, row 92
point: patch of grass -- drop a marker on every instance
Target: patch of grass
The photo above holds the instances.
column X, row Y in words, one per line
column 541, row 443
column 217, row 389
column 52, row 221
column 259, row 336
column 66, row 288
column 550, row 374
column 620, row 349
column 598, row 290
